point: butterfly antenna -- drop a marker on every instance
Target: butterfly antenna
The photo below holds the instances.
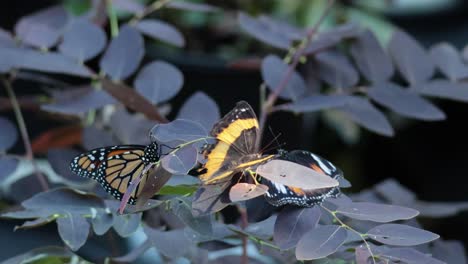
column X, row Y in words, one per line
column 275, row 139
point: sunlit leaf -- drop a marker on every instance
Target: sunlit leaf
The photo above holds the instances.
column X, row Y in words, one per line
column 295, row 175
column 180, row 130
column 320, row 242
column 381, row 213
column 336, row 69
column 200, row 108
column 83, row 40
column 35, row 223
column 180, row 161
column 292, row 223
column 43, row 28
column 9, row 134
column 404, row 102
column 246, row 191
column 161, row 30
column 411, row 59
column 73, row 229
column 400, row 235
column 102, row 222
column 274, row 70
column 159, row 81
column 370, row 58
column 124, row 54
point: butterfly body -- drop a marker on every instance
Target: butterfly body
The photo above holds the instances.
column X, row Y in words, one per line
column 280, row 194
column 116, row 167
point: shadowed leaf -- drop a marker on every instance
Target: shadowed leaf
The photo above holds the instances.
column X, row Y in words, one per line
column 450, row 251
column 179, row 130
column 370, row 58
column 336, row 70
column 6, row 39
column 159, row 81
column 411, row 59
column 381, row 213
column 102, row 222
column 315, row 103
column 330, row 38
column 200, row 108
column 183, row 209
column 273, row 71
column 445, row 89
column 448, row 60
column 35, row 223
column 155, row 180
column 320, row 242
column 83, row 40
column 59, row 160
column 9, row 134
column 409, row 255
column 210, row 199
column 131, row 128
column 400, row 235
column 124, row 54
column 73, row 229
column 128, row 5
column 404, row 102
column 263, row 32
column 43, row 28
column 126, row 225
column 181, row 161
column 131, row 256
column 292, row 223
column 191, row 6
column 161, row 30
column 172, row 244
column 394, row 192
column 93, row 137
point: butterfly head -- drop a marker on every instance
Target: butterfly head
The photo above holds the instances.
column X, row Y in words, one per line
column 152, row 152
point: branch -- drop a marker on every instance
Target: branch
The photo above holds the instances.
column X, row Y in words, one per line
column 24, row 133
column 266, row 108
column 244, row 224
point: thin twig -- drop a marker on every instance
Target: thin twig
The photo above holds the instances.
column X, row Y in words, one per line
column 24, row 133
column 244, row 224
column 296, row 57
column 156, row 5
column 113, row 21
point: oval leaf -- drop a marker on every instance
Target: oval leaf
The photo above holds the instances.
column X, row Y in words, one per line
column 410, row 255
column 404, row 102
column 181, row 161
column 172, row 244
column 180, row 130
column 336, row 70
column 126, row 225
column 9, row 134
column 370, row 58
column 83, row 40
column 320, row 242
column 102, row 222
column 261, row 31
column 381, row 213
column 7, row 167
column 124, row 54
column 412, row 60
column 445, row 89
column 274, row 70
column 400, row 235
column 361, row 111
column 211, row 198
column 155, row 180
column 200, row 108
column 161, row 30
column 449, row 61
column 316, row 103
column 292, row 223
column 246, row 191
column 73, row 229
column 295, row 175
column 159, row 81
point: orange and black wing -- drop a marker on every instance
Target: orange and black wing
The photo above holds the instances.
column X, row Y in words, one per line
column 236, row 135
column 115, row 168
column 280, row 194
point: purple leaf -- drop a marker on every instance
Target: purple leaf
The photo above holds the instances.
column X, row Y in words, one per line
column 94, row 137
column 191, row 6
column 201, row 224
column 292, row 223
column 404, row 102
column 102, row 222
column 128, row 5
column 161, row 30
column 9, row 134
column 79, row 100
column 181, row 161
column 400, row 235
column 7, row 167
column 131, row 128
column 43, row 28
column 24, row 188
column 172, row 244
column 320, row 242
column 263, row 229
column 155, row 180
column 361, row 111
column 59, row 160
column 179, row 130
column 6, row 39
column 370, row 58
column 336, row 70
column 134, row 254
column 211, row 198
column 73, row 229
column 381, row 213
column 282, row 27
column 411, row 59
column 124, row 54
column 200, row 108
column 83, row 40
column 273, row 72
column 263, row 32
column 39, row 61
column 315, row 103
column 439, row 209
column 327, row 39
column 395, row 193
column 409, row 255
column 159, row 81
column 126, row 225
column 450, row 251
column 448, row 59
column 445, row 89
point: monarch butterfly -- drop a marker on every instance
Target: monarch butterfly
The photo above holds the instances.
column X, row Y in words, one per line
column 116, row 167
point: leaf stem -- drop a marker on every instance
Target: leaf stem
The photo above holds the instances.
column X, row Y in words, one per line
column 296, row 58
column 156, row 5
column 113, row 21
column 24, row 133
